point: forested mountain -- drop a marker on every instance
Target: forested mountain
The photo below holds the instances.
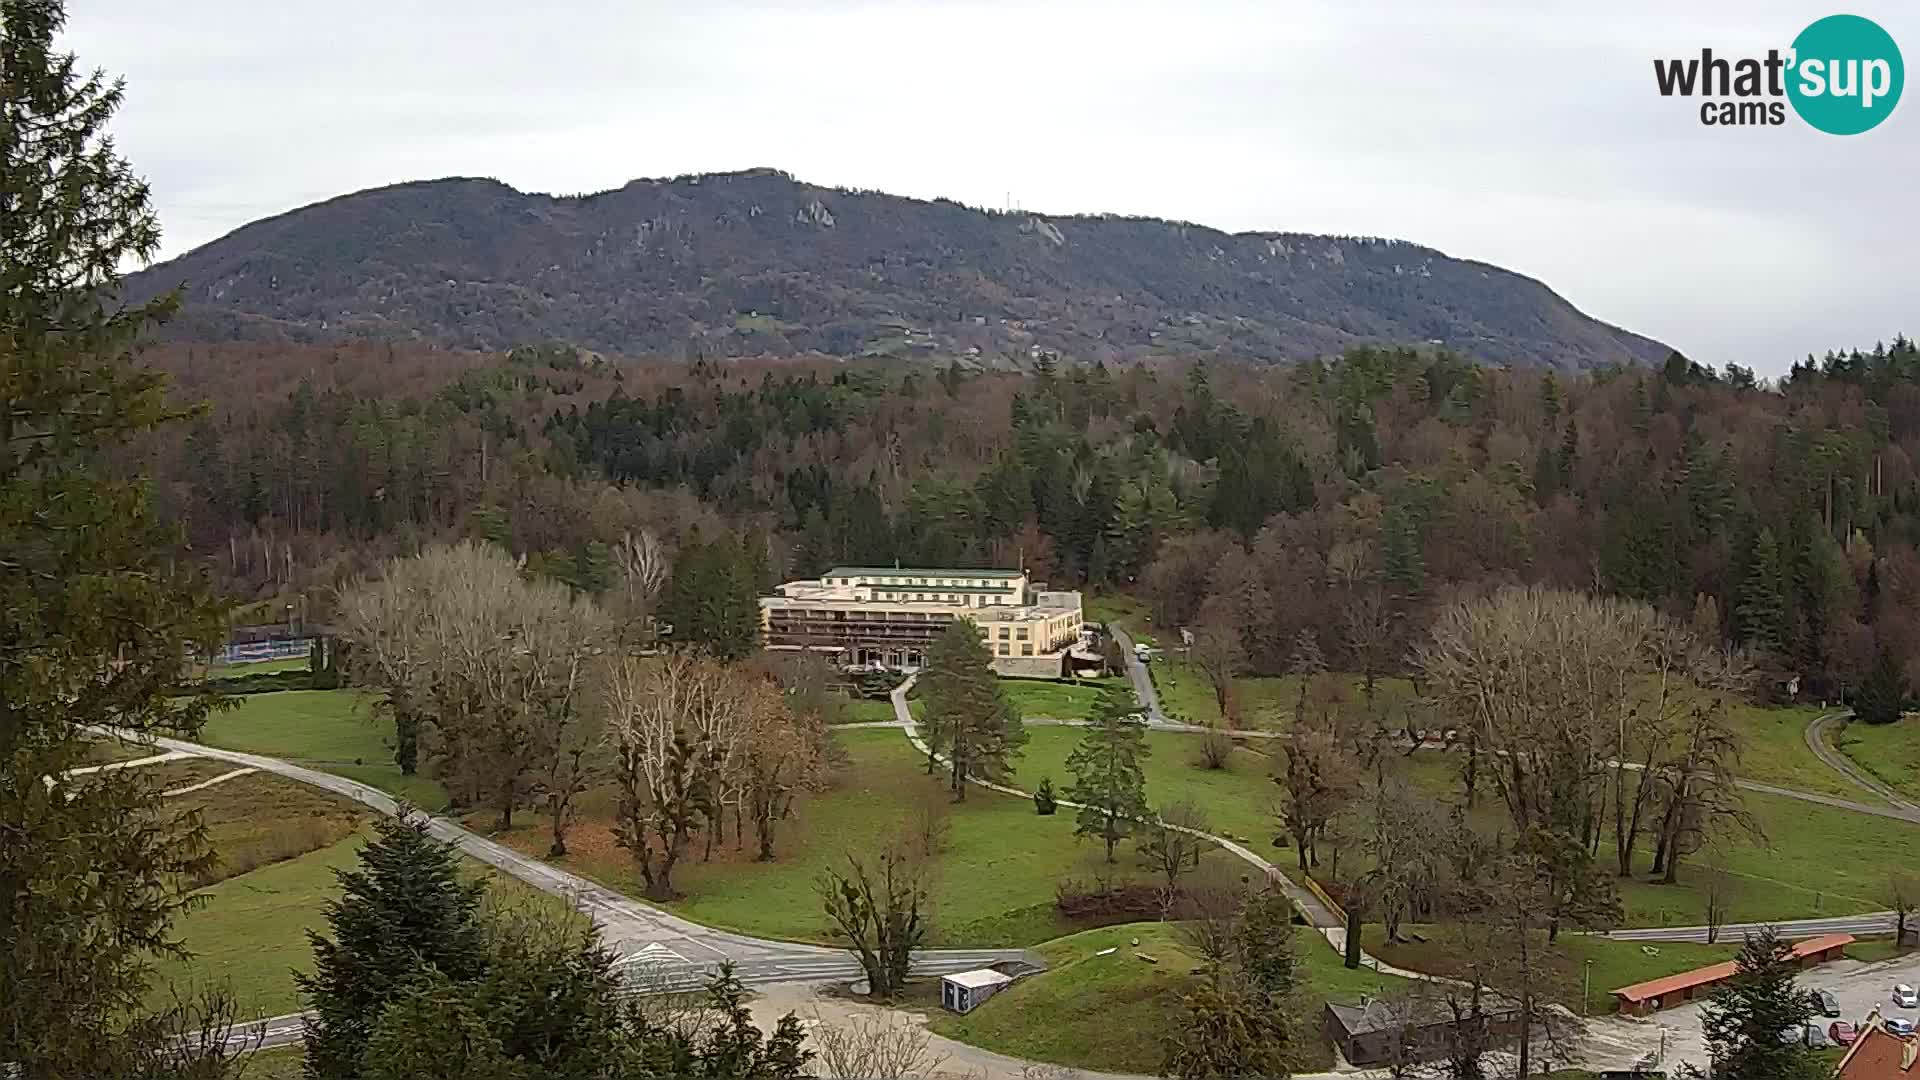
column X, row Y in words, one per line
column 756, row 263
column 1347, row 500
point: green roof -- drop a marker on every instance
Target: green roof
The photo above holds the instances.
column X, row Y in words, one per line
column 884, row 587
column 908, row 571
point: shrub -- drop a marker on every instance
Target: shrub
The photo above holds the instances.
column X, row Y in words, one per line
column 1216, row 749
column 1044, row 802
column 1123, row 902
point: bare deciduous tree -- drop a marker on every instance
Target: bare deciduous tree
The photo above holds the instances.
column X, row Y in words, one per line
column 1903, row 896
column 1316, row 779
column 879, row 906
column 489, row 668
column 1716, row 886
column 643, row 564
column 663, row 767
column 876, row 1045
column 1173, row 845
column 1218, row 652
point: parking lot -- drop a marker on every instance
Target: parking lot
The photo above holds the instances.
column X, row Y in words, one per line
column 1618, row 1042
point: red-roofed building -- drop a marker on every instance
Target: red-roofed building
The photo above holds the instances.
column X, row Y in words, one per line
column 1664, row 993
column 1880, row 1055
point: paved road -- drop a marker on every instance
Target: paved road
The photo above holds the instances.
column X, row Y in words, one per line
column 1872, row 922
column 1142, row 682
column 1816, row 736
column 657, row 950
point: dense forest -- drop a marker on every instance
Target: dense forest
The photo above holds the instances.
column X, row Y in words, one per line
column 1347, row 498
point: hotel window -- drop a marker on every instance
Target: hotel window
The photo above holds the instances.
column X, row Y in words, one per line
column 1021, row 633
column 1026, row 650
column 1002, row 648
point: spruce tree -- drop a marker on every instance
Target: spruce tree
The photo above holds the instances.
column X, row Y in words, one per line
column 1108, row 781
column 1762, row 609
column 1883, row 696
column 96, row 619
column 403, row 915
column 1749, row 1023
column 968, row 716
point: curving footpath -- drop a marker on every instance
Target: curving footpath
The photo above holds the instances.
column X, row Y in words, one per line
column 657, row 951
column 1816, row 736
column 1323, row 920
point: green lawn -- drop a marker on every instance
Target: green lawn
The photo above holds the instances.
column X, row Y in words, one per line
column 1120, row 608
column 869, row 710
column 1817, row 860
column 1266, row 702
column 1056, row 700
column 1111, row 1012
column 249, row 932
column 1614, row 963
column 108, row 750
column 994, row 880
column 1238, row 799
column 1776, row 752
column 1890, row 752
column 1870, row 949
column 332, row 730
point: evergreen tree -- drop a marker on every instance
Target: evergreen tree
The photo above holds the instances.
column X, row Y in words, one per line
column 1749, row 1022
column 1546, row 475
column 1569, row 454
column 1263, row 946
column 404, row 914
column 968, row 715
column 1403, row 564
column 1762, row 609
column 1882, row 698
column 1108, row 781
column 1228, row 1030
column 96, row 619
column 712, row 600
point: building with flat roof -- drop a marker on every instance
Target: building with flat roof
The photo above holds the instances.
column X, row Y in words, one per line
column 887, row 617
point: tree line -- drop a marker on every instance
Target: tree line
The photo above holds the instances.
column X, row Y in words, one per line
column 1369, row 489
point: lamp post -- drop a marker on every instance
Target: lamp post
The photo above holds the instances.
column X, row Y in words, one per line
column 1586, row 993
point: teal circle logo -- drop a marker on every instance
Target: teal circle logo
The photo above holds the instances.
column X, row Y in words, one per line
column 1846, row 75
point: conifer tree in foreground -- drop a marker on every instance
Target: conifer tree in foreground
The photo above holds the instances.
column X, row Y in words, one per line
column 1109, row 782
column 1749, row 1023
column 96, row 621
column 403, row 916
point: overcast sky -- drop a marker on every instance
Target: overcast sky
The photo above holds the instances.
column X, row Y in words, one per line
column 1526, row 133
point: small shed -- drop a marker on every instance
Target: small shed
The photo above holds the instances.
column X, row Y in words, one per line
column 963, row 992
column 1410, row 1029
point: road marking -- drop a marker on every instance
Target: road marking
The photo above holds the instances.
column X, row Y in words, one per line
column 205, row 784
column 653, row 953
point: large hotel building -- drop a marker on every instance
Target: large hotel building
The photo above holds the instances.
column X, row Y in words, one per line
column 887, row 617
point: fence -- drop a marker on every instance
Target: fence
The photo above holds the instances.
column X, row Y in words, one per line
column 250, row 652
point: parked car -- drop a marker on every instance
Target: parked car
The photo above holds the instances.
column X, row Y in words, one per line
column 1905, row 997
column 1816, row 1037
column 1825, row 1003
column 1898, row 1025
column 1842, row 1033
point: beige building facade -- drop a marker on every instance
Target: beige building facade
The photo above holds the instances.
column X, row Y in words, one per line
column 887, row 617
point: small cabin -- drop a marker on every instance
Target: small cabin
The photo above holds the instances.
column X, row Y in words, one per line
column 963, row 992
